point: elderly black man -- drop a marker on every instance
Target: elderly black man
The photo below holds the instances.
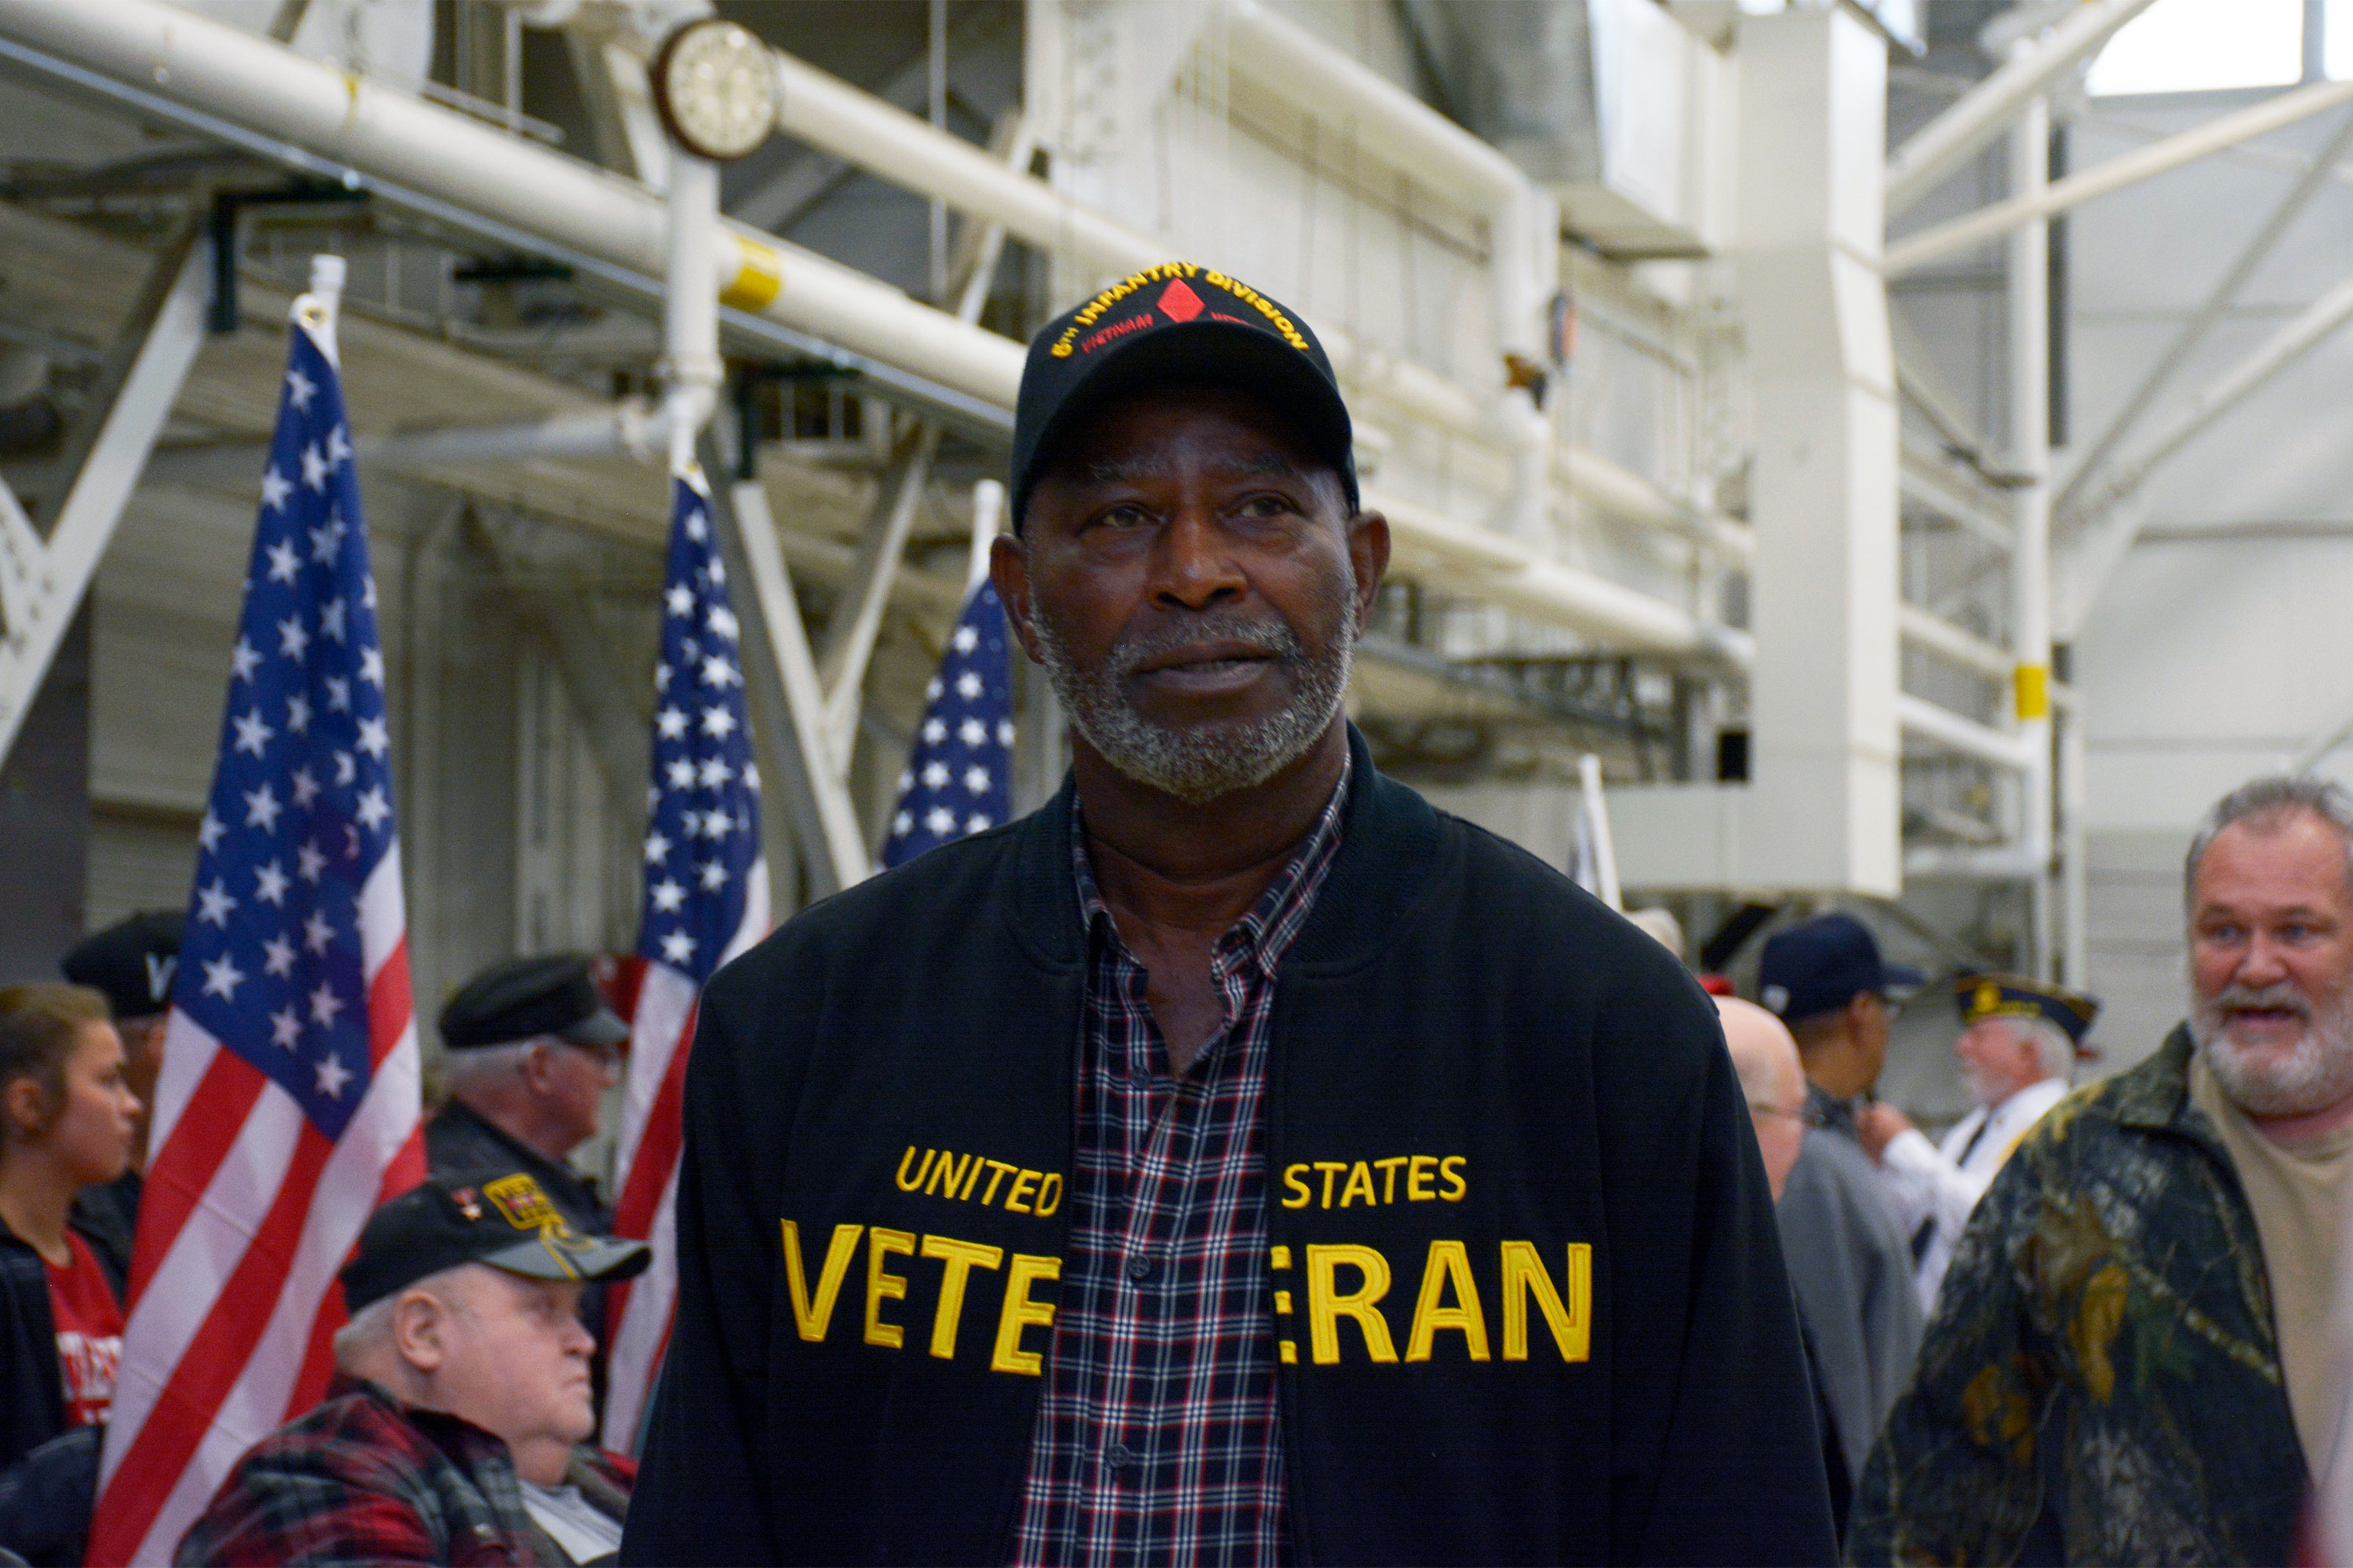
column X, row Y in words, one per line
column 1236, row 1161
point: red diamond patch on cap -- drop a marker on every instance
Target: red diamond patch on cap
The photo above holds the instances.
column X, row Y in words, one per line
column 1179, row 303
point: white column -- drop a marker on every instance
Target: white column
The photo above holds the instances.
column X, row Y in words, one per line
column 1824, row 805
column 2029, row 440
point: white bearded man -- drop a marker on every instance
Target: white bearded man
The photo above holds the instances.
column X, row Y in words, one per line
column 2131, row 1360
column 2018, row 1044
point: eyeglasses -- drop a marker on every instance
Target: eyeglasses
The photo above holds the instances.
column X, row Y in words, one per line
column 1806, row 1114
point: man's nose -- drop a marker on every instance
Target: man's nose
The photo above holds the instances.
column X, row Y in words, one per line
column 1192, row 567
column 2265, row 963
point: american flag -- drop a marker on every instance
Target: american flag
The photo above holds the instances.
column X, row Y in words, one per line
column 959, row 780
column 706, row 900
column 288, row 1107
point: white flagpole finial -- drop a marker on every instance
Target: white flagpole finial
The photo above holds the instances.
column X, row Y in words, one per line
column 988, row 513
column 320, row 307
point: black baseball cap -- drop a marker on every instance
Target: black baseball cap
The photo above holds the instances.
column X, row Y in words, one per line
column 508, row 1222
column 1981, row 996
column 1175, row 322
column 1819, row 966
column 524, row 997
column 132, row 961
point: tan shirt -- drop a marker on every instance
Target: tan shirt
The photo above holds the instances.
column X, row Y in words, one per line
column 2296, row 1191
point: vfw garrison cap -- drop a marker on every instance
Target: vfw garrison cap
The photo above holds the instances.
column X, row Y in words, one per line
column 133, row 961
column 1981, row 996
column 508, row 1223
column 1171, row 323
column 1819, row 966
column 527, row 996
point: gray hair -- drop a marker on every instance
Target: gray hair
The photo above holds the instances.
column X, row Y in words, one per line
column 2279, row 796
column 370, row 1326
column 2053, row 1047
column 481, row 1064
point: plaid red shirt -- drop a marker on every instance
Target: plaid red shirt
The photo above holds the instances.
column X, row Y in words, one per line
column 1158, row 1438
column 365, row 1479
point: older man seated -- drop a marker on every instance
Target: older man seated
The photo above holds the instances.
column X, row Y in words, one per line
column 453, row 1430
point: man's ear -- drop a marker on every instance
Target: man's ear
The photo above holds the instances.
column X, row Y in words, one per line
column 1009, row 569
column 1368, row 555
column 420, row 1330
column 538, row 1067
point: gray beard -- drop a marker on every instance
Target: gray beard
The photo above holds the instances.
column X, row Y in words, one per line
column 1200, row 764
column 2315, row 1074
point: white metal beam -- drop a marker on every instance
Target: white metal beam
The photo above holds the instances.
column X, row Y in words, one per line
column 857, row 618
column 832, row 845
column 42, row 582
column 1990, row 223
column 1942, row 727
column 2317, row 174
column 1940, row 148
column 2111, row 519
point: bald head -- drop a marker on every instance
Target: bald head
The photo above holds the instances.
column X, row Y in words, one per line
column 1765, row 1059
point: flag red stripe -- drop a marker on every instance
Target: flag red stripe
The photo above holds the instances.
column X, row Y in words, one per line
column 180, row 1172
column 658, row 1150
column 390, row 1006
column 216, row 1358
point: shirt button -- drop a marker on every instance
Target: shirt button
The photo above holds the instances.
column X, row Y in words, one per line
column 1119, row 1456
column 1139, row 1268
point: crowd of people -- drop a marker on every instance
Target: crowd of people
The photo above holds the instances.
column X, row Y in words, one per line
column 1237, row 1160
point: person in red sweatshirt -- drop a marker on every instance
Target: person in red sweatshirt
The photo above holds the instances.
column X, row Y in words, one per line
column 67, row 1121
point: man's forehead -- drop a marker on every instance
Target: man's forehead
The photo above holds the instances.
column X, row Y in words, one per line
column 1160, row 461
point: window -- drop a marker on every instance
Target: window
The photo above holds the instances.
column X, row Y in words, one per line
column 2198, row 46
column 2336, row 34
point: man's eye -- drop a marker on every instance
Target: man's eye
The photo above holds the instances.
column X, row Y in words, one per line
column 1123, row 516
column 1265, row 508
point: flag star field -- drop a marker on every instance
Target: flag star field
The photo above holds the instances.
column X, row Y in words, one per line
column 959, row 780
column 301, row 811
column 702, row 837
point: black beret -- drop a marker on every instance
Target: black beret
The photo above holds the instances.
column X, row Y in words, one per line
column 133, row 961
column 527, row 996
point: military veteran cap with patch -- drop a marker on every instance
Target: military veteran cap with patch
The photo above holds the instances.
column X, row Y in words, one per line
column 1982, row 996
column 133, row 961
column 530, row 996
column 1173, row 323
column 508, row 1223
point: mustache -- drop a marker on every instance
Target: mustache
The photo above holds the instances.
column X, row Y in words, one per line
column 2282, row 996
column 1272, row 633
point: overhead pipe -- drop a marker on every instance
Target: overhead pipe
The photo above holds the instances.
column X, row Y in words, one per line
column 381, row 133
column 265, row 90
column 1978, row 119
column 1989, row 223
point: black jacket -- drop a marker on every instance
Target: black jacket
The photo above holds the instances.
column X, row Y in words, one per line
column 1555, row 1087
column 44, row 1497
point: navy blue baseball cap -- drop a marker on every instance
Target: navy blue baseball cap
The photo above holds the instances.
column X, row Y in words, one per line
column 1817, row 967
column 1169, row 325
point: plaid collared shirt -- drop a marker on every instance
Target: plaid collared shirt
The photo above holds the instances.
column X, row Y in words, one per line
column 1158, row 1438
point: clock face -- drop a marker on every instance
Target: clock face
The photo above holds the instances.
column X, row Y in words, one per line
column 715, row 85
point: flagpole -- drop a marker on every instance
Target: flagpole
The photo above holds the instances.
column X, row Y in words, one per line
column 690, row 303
column 987, row 515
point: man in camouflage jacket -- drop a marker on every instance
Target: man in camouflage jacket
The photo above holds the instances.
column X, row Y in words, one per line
column 2102, row 1381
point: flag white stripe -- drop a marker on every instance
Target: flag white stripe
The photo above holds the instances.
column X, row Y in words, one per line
column 639, row 1338
column 384, row 918
column 204, row 1253
column 756, row 910
column 342, row 1198
column 665, row 997
column 188, row 1051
